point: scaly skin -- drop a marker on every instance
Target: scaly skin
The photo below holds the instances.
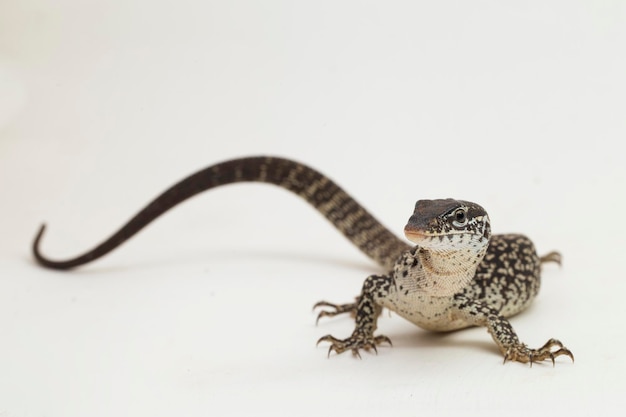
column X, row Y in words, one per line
column 457, row 275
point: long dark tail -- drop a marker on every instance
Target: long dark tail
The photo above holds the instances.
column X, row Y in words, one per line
column 360, row 227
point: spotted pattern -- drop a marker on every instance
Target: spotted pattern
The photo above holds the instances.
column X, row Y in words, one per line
column 457, row 275
column 509, row 276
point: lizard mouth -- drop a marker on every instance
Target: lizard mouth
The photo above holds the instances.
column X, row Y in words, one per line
column 424, row 238
column 417, row 236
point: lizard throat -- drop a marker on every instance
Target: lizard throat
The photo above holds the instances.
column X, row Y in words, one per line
column 446, row 272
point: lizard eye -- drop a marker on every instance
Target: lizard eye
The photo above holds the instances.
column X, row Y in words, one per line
column 459, row 217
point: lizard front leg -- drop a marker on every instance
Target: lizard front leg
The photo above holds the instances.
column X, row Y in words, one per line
column 480, row 314
column 366, row 315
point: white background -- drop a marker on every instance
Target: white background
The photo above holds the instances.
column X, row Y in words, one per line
column 519, row 106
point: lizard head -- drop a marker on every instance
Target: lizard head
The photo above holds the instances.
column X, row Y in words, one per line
column 448, row 225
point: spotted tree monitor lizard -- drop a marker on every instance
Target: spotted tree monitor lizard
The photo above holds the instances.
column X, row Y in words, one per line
column 457, row 274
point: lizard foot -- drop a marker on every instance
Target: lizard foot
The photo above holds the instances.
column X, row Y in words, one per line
column 336, row 309
column 551, row 257
column 522, row 353
column 358, row 340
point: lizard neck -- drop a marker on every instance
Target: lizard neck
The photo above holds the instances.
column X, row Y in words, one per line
column 447, row 271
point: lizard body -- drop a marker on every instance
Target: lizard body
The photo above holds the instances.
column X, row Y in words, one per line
column 457, row 275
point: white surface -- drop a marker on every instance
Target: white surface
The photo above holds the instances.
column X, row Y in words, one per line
column 104, row 104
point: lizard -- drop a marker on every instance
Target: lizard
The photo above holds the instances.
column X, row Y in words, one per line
column 455, row 274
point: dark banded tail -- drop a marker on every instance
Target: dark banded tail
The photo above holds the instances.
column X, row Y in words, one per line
column 360, row 227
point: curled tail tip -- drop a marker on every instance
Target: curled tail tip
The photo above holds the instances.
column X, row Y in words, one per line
column 38, row 235
column 36, row 252
column 40, row 258
column 42, row 228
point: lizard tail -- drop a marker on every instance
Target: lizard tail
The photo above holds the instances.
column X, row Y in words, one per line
column 348, row 216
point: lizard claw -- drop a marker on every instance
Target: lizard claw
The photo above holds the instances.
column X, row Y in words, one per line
column 522, row 353
column 336, row 309
column 354, row 343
